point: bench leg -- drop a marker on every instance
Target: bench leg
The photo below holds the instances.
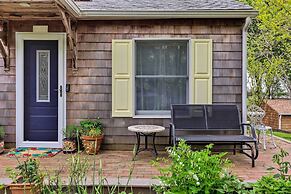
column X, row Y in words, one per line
column 174, row 142
column 170, row 136
column 253, row 155
column 257, row 150
column 234, row 149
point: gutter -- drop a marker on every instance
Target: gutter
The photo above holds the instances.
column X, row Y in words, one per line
column 71, row 6
column 90, row 14
column 119, row 15
column 244, row 68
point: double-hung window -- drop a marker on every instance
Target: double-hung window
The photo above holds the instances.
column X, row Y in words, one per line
column 148, row 75
column 161, row 75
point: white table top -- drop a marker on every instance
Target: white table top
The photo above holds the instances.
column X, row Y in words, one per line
column 146, row 128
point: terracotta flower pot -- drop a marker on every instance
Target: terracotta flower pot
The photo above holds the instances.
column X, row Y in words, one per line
column 20, row 188
column 1, row 146
column 92, row 144
column 69, row 146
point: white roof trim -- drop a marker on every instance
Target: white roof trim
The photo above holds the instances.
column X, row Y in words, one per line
column 120, row 15
column 285, row 114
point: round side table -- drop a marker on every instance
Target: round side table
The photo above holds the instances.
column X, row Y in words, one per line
column 146, row 130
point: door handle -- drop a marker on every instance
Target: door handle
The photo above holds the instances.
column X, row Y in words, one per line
column 61, row 90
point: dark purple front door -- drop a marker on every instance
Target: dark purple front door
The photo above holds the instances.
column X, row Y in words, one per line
column 40, row 90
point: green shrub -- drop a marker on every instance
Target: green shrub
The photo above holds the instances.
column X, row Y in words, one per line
column 283, row 166
column 91, row 128
column 193, row 172
column 272, row 185
column 71, row 131
column 2, row 132
column 280, row 182
column 27, row 172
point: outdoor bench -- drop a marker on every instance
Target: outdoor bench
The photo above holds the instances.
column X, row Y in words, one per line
column 216, row 124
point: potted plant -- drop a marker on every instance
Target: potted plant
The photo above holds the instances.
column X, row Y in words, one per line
column 91, row 135
column 70, row 139
column 2, row 134
column 26, row 177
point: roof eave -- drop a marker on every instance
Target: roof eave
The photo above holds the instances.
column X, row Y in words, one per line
column 119, row 15
column 123, row 15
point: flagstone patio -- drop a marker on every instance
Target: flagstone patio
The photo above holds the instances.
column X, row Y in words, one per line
column 118, row 164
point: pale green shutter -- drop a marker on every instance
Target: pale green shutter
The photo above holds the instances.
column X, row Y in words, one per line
column 201, row 71
column 122, row 78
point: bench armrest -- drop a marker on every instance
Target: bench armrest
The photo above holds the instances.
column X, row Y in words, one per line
column 172, row 134
column 252, row 129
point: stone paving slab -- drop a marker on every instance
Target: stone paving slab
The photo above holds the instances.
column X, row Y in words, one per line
column 118, row 164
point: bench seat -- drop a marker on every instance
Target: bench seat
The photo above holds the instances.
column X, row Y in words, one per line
column 217, row 124
column 216, row 138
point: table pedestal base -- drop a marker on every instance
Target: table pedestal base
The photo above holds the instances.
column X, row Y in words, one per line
column 138, row 149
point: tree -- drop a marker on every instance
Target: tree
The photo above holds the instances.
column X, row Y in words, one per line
column 269, row 50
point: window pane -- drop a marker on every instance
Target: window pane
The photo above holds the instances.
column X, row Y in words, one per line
column 161, row 57
column 160, row 93
column 42, row 66
column 161, row 75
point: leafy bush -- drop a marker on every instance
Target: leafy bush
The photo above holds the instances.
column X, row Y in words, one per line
column 282, row 166
column 279, row 182
column 2, row 132
column 91, row 128
column 193, row 172
column 272, row 185
column 78, row 169
column 26, row 172
column 71, row 131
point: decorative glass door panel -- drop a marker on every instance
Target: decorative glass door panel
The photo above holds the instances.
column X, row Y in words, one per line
column 42, row 74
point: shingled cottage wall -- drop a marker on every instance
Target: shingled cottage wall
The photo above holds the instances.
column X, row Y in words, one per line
column 90, row 95
column 286, row 123
column 271, row 118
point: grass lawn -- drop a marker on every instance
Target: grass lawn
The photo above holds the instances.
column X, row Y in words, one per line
column 283, row 135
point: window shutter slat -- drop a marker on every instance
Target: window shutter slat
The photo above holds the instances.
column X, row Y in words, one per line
column 122, row 78
column 201, row 71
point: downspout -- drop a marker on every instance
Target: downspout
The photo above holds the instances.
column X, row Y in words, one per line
column 244, row 69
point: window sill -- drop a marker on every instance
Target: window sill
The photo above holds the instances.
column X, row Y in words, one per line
column 151, row 116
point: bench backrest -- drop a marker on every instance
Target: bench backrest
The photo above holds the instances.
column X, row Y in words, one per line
column 206, row 117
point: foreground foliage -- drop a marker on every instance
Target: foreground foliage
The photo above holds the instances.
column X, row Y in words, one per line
column 191, row 172
column 79, row 169
column 280, row 182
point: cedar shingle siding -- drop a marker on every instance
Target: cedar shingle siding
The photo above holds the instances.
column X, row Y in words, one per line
column 90, row 95
column 271, row 118
column 274, row 108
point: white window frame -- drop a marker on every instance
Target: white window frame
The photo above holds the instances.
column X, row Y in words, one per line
column 153, row 114
column 37, row 75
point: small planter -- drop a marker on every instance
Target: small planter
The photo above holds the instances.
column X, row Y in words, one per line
column 20, row 188
column 92, row 144
column 1, row 146
column 69, row 146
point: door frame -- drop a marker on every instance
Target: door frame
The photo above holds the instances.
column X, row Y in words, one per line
column 19, row 38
